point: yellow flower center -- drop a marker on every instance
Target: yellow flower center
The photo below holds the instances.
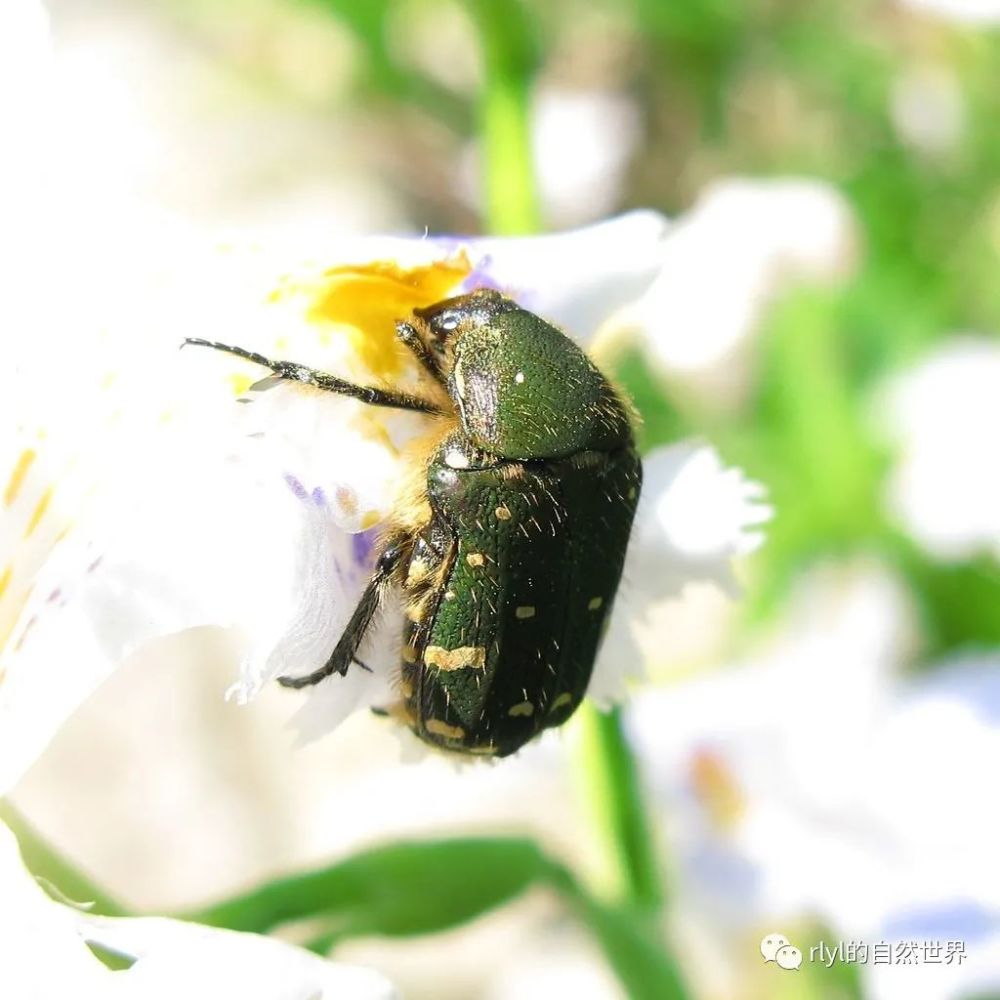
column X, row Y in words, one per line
column 364, row 301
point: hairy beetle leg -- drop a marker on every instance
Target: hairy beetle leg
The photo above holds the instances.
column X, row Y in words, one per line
column 396, row 549
column 292, row 372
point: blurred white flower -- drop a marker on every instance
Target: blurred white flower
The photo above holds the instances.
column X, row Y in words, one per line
column 583, row 142
column 741, row 244
column 972, row 12
column 819, row 781
column 943, row 415
column 46, row 955
column 928, row 109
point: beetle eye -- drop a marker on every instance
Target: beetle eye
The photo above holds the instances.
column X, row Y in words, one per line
column 445, row 322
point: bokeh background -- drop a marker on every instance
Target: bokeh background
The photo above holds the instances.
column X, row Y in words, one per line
column 821, row 756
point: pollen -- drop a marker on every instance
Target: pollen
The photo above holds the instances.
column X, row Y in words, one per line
column 418, row 571
column 594, row 604
column 455, row 659
column 363, row 301
column 521, row 708
column 409, row 654
column 439, row 728
column 525, row 611
column 456, row 459
column 475, row 559
column 502, row 513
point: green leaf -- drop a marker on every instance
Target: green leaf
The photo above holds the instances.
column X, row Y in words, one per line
column 633, row 949
column 400, row 889
column 426, row 886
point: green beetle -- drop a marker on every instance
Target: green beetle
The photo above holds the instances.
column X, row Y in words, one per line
column 510, row 547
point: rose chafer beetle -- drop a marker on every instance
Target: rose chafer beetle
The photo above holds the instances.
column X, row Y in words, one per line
column 509, row 549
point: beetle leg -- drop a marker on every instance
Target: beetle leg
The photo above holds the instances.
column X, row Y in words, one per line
column 344, row 654
column 408, row 335
column 323, row 380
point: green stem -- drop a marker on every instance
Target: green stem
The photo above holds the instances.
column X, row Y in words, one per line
column 512, row 206
column 614, row 790
column 510, row 191
column 45, row 863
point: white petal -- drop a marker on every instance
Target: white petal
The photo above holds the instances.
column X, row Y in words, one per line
column 943, row 414
column 577, row 279
column 324, row 581
column 45, row 955
column 694, row 518
column 723, row 262
column 175, row 958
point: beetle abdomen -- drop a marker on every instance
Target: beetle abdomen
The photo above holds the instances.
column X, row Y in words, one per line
column 507, row 637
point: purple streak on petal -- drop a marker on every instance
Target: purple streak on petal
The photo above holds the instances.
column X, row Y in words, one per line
column 450, row 243
column 363, row 546
column 480, row 276
column 295, row 486
column 319, row 497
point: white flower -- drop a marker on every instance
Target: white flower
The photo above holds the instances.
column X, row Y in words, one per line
column 45, row 955
column 971, row 12
column 943, row 415
column 817, row 780
column 161, row 504
column 583, row 142
column 928, row 109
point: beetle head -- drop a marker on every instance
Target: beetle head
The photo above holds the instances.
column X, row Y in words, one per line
column 444, row 322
